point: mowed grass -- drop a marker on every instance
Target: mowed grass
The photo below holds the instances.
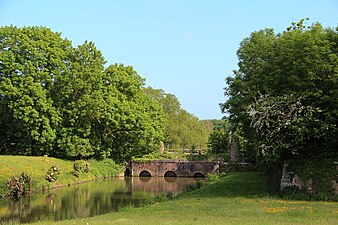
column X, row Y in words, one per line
column 239, row 198
column 37, row 168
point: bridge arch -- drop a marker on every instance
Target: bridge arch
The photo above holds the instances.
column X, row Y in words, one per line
column 170, row 173
column 158, row 168
column 199, row 175
column 145, row 173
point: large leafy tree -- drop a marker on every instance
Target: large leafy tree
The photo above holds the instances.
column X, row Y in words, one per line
column 30, row 59
column 284, row 125
column 78, row 96
column 136, row 121
column 286, row 90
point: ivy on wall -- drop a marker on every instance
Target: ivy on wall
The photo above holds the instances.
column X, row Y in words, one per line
column 321, row 171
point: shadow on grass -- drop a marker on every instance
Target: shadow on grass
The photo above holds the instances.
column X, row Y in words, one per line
column 236, row 184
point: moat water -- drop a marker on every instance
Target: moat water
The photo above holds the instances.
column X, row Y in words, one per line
column 90, row 199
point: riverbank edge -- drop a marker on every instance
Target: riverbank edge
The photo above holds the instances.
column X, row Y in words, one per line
column 234, row 198
column 96, row 172
column 64, row 185
column 59, row 186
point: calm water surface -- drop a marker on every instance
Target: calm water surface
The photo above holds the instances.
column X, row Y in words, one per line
column 90, row 199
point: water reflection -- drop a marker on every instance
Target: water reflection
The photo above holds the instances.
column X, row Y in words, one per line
column 90, row 199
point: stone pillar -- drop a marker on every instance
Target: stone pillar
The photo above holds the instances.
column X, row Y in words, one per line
column 162, row 147
column 234, row 158
column 285, row 180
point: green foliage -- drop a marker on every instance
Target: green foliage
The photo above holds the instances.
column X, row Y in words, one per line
column 224, row 134
column 219, row 139
column 137, row 122
column 283, row 123
column 81, row 166
column 171, row 156
column 53, row 174
column 105, row 168
column 198, row 157
column 19, row 186
column 182, row 129
column 59, row 100
column 28, row 65
column 216, row 177
column 236, row 167
column 321, row 171
column 157, row 156
column 284, row 95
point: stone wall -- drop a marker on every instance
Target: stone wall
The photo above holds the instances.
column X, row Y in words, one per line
column 289, row 178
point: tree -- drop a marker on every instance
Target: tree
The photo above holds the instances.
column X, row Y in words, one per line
column 219, row 139
column 136, row 120
column 284, row 125
column 78, row 96
column 182, row 129
column 301, row 62
column 30, row 58
column 59, row 100
column 106, row 112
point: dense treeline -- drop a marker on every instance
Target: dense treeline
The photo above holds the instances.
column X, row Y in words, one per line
column 282, row 102
column 60, row 100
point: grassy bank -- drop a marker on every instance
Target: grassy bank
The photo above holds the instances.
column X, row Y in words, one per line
column 37, row 168
column 239, row 198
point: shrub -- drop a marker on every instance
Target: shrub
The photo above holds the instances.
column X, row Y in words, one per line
column 12, row 221
column 19, row 186
column 105, row 168
column 52, row 174
column 212, row 178
column 81, row 166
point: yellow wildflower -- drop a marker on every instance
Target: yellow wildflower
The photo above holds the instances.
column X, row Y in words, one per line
column 275, row 210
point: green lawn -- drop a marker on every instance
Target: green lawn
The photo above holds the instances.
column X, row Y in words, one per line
column 239, row 198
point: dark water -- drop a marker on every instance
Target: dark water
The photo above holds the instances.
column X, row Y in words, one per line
column 90, row 199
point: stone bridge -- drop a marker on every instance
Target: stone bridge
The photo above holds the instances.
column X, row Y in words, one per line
column 171, row 168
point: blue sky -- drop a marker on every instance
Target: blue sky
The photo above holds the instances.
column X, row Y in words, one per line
column 185, row 47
